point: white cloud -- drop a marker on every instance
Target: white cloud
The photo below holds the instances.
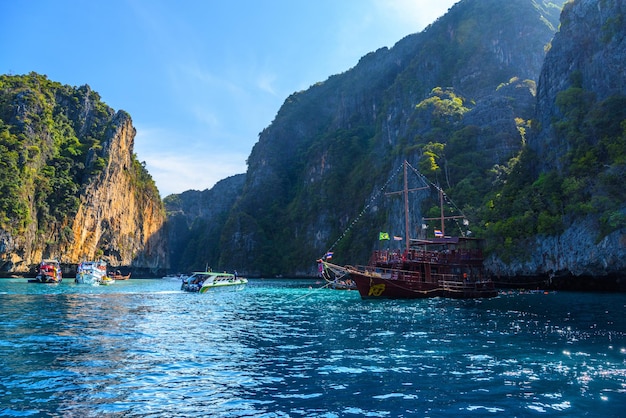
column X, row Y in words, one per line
column 265, row 82
column 178, row 173
column 177, row 163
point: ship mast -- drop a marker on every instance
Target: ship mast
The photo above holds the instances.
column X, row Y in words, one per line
column 442, row 217
column 406, row 206
column 443, row 224
column 405, row 192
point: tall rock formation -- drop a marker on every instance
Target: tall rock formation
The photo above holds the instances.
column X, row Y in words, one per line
column 72, row 187
column 578, row 152
column 589, row 53
column 118, row 216
column 195, row 222
column 465, row 85
column 534, row 151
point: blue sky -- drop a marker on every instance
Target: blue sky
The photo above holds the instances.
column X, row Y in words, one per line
column 200, row 78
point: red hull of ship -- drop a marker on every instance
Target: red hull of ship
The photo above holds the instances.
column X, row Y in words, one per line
column 370, row 287
column 379, row 288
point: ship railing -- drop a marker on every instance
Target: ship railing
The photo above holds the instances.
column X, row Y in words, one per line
column 433, row 257
column 458, row 284
column 444, row 278
column 391, row 274
column 455, row 284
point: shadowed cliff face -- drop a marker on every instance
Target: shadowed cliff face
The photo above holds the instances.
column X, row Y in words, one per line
column 72, row 188
column 467, row 83
column 580, row 144
column 195, row 220
column 588, row 53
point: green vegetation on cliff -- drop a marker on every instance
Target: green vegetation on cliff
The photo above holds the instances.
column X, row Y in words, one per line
column 52, row 144
column 588, row 182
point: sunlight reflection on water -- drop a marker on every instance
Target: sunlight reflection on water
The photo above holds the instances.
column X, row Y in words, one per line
column 283, row 348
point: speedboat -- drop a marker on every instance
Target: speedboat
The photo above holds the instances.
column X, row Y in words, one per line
column 203, row 282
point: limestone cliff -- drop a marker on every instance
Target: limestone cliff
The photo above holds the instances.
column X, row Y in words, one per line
column 72, row 189
column 579, row 146
column 466, row 85
column 534, row 150
column 115, row 216
column 589, row 53
column 195, row 222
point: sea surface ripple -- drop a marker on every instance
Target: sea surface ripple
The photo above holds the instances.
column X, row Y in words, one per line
column 289, row 348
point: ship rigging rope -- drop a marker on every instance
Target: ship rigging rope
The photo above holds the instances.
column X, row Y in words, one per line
column 355, row 220
column 312, row 291
column 445, row 196
column 380, row 191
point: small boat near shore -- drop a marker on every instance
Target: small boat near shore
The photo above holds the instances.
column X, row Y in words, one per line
column 49, row 271
column 117, row 275
column 93, row 273
column 106, row 281
column 203, row 282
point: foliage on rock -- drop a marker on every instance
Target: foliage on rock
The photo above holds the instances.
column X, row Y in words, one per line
column 56, row 146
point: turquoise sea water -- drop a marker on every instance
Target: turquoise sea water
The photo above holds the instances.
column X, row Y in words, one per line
column 286, row 348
